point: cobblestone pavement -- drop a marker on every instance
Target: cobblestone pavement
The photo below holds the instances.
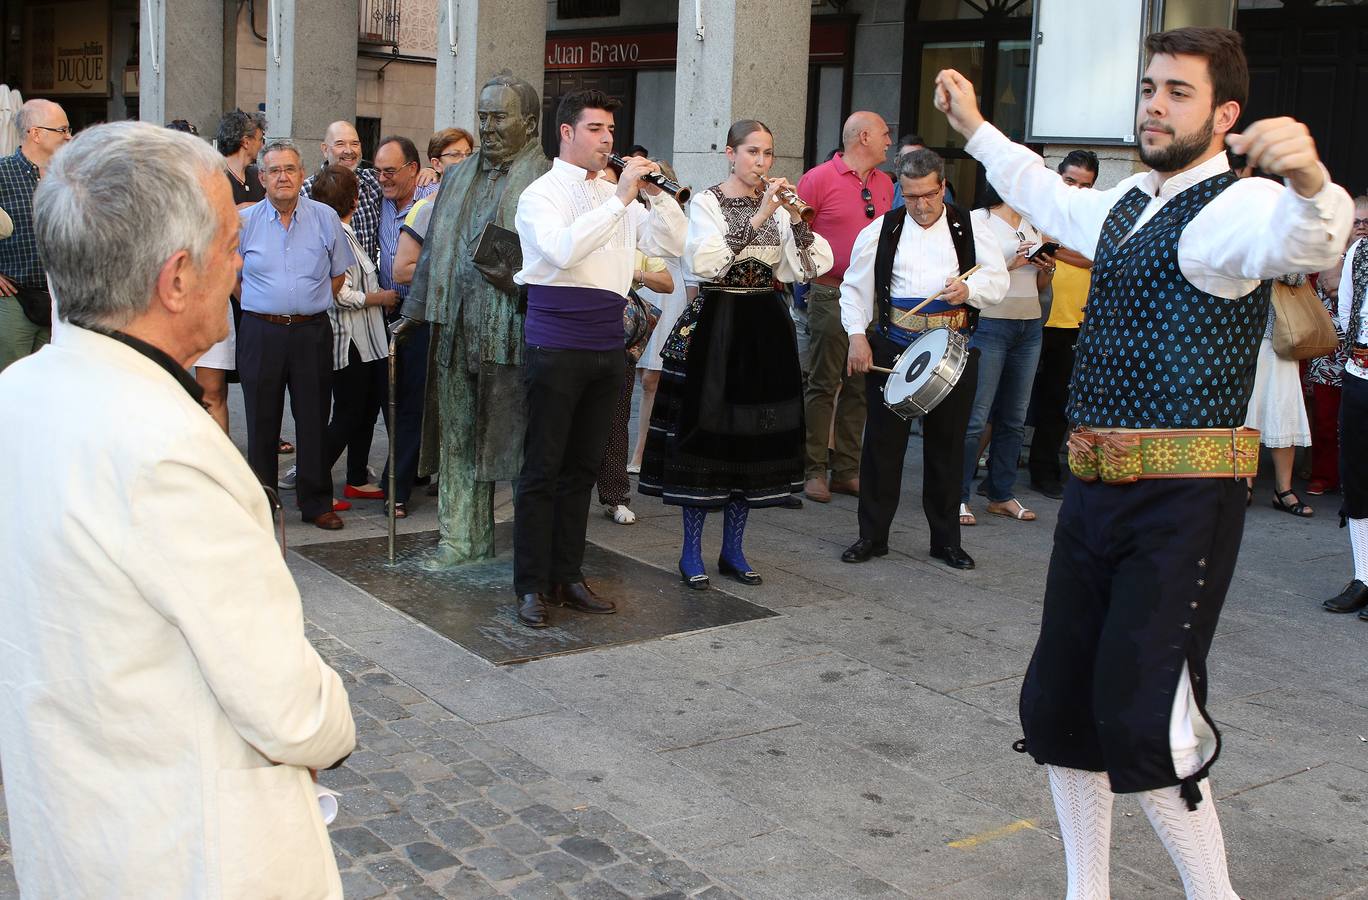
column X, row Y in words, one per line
column 432, row 808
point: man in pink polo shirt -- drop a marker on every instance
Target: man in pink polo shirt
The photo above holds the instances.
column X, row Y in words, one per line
column 848, row 193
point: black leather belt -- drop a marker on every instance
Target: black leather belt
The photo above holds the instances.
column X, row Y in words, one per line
column 284, row 320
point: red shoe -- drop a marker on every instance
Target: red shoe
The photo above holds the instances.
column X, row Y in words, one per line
column 364, row 492
column 341, row 506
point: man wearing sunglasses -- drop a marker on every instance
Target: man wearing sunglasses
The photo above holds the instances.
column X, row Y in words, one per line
column 848, row 191
column 25, row 307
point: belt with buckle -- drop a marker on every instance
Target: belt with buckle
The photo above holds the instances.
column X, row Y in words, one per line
column 294, row 319
column 1121, row 457
column 956, row 320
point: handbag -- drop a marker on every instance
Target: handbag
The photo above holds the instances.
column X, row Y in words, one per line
column 1302, row 328
column 639, row 320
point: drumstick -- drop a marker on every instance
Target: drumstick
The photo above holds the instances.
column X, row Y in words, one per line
column 881, row 369
column 913, row 311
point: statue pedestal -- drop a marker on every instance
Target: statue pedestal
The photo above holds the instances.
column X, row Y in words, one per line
column 473, row 604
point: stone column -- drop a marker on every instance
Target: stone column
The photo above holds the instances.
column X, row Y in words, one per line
column 181, row 62
column 751, row 63
column 490, row 35
column 310, row 70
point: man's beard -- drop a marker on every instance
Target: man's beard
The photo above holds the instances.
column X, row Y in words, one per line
column 1181, row 151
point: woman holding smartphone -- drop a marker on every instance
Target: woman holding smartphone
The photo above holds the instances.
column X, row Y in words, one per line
column 1008, row 341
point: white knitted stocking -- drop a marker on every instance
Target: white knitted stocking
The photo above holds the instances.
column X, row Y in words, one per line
column 1083, row 802
column 1192, row 839
column 1358, row 539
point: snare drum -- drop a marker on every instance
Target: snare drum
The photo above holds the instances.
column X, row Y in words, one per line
column 926, row 372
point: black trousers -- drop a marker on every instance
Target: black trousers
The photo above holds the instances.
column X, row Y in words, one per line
column 270, row 359
column 410, row 377
column 571, row 396
column 358, row 396
column 885, row 446
column 1137, row 579
column 1050, row 401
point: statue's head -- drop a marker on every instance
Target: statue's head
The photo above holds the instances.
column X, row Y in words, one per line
column 509, row 114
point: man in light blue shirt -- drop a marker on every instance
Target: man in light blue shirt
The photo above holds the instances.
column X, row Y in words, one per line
column 294, row 255
column 397, row 165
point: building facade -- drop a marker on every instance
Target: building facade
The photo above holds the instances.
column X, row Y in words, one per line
column 679, row 67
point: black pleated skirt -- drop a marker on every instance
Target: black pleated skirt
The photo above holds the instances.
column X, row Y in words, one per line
column 728, row 416
column 1354, row 447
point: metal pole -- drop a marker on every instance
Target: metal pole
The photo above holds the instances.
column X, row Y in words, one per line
column 393, row 459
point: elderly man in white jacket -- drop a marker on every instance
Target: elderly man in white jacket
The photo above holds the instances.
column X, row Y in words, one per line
column 160, row 707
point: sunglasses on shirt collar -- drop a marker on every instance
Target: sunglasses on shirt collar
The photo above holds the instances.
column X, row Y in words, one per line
column 868, row 198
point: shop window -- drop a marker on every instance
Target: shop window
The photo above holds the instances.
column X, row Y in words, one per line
column 587, row 9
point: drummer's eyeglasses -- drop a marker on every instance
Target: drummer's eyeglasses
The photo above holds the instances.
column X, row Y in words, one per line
column 868, row 198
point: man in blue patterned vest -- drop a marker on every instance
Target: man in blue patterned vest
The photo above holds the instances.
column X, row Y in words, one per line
column 1115, row 696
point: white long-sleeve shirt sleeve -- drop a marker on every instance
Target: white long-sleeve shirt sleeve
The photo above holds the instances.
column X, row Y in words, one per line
column 1254, row 230
column 925, row 258
column 710, row 256
column 661, row 231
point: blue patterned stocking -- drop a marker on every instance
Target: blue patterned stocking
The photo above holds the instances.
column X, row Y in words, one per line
column 733, row 532
column 691, row 557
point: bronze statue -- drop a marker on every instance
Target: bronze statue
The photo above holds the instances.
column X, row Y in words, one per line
column 474, row 418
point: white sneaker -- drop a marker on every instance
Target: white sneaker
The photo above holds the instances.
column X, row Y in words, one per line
column 287, row 481
column 633, row 468
column 620, row 514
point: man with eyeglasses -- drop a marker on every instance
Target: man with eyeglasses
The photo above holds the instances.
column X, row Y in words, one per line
column 397, row 167
column 848, row 191
column 25, row 307
column 899, row 260
column 294, row 256
column 342, row 147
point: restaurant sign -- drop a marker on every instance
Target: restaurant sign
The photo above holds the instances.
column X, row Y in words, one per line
column 656, row 49
column 66, row 49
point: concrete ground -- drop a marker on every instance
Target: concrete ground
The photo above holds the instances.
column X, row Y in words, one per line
column 858, row 745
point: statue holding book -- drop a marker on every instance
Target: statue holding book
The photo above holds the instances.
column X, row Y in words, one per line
column 474, row 421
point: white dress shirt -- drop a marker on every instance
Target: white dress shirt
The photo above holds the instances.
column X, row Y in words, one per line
column 1254, row 230
column 576, row 233
column 1346, row 303
column 925, row 258
column 710, row 257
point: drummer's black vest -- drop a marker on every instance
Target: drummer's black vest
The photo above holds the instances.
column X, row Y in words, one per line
column 961, row 235
column 1154, row 350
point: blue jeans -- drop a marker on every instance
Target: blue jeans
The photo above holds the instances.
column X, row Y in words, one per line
column 1008, row 352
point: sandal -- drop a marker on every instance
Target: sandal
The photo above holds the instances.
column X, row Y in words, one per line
column 966, row 517
column 1021, row 513
column 285, row 448
column 401, row 510
column 1298, row 509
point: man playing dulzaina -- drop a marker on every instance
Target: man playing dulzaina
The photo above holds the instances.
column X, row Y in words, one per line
column 1114, row 699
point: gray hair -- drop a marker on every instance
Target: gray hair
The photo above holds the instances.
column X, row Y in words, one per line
column 30, row 114
column 235, row 127
column 919, row 163
column 280, row 145
column 115, row 205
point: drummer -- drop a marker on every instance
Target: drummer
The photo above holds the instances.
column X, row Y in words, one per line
column 898, row 260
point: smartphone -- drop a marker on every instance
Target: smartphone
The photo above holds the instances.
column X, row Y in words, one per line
column 1049, row 247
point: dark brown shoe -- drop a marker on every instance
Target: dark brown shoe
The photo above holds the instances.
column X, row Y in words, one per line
column 329, row 521
column 532, row 611
column 578, row 597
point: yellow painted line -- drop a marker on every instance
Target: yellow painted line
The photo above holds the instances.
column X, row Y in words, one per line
column 971, row 842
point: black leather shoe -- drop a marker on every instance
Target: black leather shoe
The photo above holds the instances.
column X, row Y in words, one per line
column 1052, row 489
column 532, row 611
column 792, row 501
column 578, row 597
column 863, row 549
column 954, row 557
column 697, row 582
column 1353, row 598
column 749, row 576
